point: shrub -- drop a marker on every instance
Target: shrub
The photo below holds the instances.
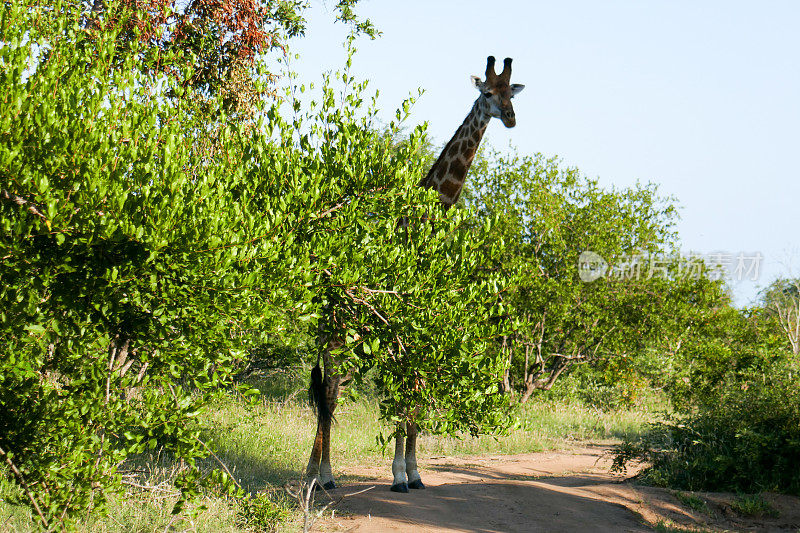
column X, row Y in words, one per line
column 117, row 294
column 753, row 506
column 263, row 511
column 746, row 438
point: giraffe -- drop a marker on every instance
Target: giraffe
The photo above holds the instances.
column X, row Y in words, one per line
column 447, row 177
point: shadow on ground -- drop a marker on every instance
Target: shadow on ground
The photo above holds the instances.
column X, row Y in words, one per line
column 494, row 494
column 495, row 506
column 551, row 491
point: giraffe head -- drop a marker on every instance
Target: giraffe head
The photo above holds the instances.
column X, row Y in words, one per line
column 497, row 92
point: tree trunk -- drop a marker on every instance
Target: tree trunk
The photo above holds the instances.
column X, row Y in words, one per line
column 505, row 385
column 532, row 384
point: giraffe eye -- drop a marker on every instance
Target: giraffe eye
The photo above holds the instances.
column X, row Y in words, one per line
column 488, row 95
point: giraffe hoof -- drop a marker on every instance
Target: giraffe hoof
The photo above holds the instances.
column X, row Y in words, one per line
column 330, row 485
column 417, row 484
column 400, row 487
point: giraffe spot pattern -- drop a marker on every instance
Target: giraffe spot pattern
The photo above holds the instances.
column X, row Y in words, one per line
column 455, row 149
column 458, row 168
column 449, row 188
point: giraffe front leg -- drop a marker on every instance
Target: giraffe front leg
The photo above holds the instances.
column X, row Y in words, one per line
column 399, row 463
column 414, row 479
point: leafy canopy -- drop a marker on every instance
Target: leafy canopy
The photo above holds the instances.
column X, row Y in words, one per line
column 142, row 239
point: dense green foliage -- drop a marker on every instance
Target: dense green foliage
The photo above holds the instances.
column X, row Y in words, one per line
column 744, row 438
column 149, row 242
column 737, row 422
column 557, row 317
column 118, row 293
column 646, row 318
column 157, row 239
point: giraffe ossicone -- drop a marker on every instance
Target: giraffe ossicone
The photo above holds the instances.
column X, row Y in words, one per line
column 447, row 177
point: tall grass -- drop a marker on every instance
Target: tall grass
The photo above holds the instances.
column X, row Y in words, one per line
column 269, row 442
column 142, row 512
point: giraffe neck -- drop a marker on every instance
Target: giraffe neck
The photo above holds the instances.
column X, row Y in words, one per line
column 448, row 173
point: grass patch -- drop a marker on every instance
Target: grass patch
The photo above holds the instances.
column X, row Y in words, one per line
column 667, row 526
column 753, row 506
column 132, row 513
column 269, row 443
column 13, row 508
column 543, row 426
column 692, row 501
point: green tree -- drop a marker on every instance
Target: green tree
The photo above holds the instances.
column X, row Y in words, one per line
column 559, row 316
column 124, row 264
column 147, row 245
column 226, row 42
column 732, row 380
column 409, row 303
column 734, row 386
column 782, row 300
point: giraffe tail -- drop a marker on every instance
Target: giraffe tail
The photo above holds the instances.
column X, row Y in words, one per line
column 317, row 397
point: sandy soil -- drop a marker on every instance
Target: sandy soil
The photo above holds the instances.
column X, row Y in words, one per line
column 552, row 491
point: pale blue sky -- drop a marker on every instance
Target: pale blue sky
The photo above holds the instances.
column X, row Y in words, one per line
column 702, row 98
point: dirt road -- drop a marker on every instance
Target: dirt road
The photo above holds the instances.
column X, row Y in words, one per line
column 570, row 491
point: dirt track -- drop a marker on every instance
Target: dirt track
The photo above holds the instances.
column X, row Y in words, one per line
column 551, row 491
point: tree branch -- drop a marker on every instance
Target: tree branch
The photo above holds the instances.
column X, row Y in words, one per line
column 23, row 202
column 25, row 488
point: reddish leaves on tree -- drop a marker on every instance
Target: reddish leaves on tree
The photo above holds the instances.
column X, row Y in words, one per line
column 246, row 27
column 221, row 39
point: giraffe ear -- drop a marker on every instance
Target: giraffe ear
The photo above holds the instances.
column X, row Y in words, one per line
column 477, row 83
column 516, row 88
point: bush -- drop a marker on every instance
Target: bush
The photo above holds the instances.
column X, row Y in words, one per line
column 118, row 297
column 149, row 242
column 263, row 511
column 746, row 438
column 753, row 506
